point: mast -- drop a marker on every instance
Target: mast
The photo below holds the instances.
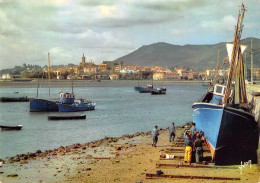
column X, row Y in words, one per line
column 217, row 68
column 252, row 67
column 49, row 76
column 38, row 85
column 72, row 87
column 236, row 45
column 211, row 84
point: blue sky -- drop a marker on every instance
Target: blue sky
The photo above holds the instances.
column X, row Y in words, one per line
column 106, row 29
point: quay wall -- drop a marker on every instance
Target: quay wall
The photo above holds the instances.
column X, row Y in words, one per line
column 254, row 101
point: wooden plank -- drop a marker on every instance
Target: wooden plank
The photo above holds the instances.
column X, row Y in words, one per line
column 159, row 165
column 173, row 149
column 102, row 158
column 149, row 176
column 178, row 140
column 180, row 150
column 182, row 157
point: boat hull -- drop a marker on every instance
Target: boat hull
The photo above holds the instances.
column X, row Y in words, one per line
column 66, row 117
column 14, row 99
column 73, row 108
column 159, row 92
column 231, row 134
column 9, row 128
column 143, row 90
column 41, row 105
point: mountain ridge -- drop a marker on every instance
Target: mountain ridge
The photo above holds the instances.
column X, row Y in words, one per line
column 195, row 56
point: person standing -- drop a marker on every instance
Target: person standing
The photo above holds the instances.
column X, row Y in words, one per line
column 171, row 132
column 198, row 148
column 188, row 148
column 193, row 132
column 155, row 134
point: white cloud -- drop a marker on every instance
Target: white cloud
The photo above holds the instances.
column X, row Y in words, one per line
column 108, row 11
column 228, row 22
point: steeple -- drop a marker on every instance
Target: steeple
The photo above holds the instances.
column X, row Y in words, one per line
column 83, row 60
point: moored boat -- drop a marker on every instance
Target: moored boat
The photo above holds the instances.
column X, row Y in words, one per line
column 147, row 89
column 223, row 114
column 42, row 105
column 66, row 117
column 78, row 105
column 9, row 128
column 14, row 99
column 159, row 91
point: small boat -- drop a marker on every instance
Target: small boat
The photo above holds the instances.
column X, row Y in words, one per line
column 14, row 99
column 66, row 117
column 78, row 105
column 159, row 91
column 9, row 128
column 147, row 89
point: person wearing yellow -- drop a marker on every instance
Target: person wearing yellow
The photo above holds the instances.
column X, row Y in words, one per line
column 188, row 148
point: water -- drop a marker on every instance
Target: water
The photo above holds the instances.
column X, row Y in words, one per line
column 119, row 110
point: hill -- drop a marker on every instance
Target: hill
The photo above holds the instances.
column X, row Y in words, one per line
column 195, row 56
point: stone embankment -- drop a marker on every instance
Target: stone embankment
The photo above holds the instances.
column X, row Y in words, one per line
column 253, row 95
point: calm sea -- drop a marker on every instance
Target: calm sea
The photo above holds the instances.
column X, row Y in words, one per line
column 119, row 110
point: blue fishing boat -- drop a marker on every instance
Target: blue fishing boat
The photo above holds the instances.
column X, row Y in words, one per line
column 223, row 114
column 78, row 105
column 42, row 105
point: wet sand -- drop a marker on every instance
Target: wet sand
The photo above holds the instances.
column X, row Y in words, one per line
column 124, row 159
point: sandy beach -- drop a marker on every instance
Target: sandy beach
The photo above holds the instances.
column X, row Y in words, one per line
column 124, row 159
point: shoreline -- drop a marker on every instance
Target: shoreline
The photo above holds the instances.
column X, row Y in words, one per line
column 112, row 159
column 88, row 83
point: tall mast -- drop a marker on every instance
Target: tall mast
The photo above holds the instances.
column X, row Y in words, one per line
column 252, row 67
column 216, row 73
column 49, row 76
column 236, row 45
column 217, row 68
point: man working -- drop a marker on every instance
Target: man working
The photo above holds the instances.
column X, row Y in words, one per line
column 198, row 148
column 155, row 134
column 172, row 132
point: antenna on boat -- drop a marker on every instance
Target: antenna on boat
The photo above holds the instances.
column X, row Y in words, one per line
column 38, row 85
column 49, row 76
column 236, row 45
column 72, row 87
column 211, row 84
column 217, row 68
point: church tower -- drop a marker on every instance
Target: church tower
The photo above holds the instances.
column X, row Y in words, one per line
column 83, row 59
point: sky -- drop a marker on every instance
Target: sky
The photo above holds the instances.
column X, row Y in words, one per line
column 105, row 30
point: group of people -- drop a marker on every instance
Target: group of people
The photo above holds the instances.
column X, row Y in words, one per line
column 155, row 134
column 193, row 145
column 192, row 140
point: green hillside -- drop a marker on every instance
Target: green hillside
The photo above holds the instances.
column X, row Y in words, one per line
column 195, row 56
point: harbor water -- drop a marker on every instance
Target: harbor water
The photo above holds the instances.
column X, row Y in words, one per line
column 119, row 111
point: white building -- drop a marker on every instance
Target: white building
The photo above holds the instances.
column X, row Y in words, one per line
column 6, row 76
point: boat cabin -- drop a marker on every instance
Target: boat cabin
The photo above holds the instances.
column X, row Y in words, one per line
column 66, row 98
column 149, row 86
column 218, row 94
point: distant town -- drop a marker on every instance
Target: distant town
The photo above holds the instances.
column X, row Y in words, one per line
column 112, row 70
